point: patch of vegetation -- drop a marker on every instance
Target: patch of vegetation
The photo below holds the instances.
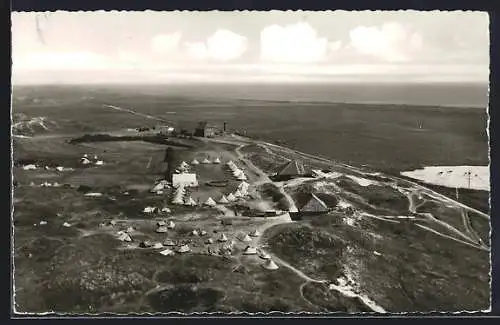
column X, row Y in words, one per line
column 320, row 295
column 311, row 250
column 271, row 191
column 158, row 139
column 185, row 298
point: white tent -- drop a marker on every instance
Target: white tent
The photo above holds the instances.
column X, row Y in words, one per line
column 86, row 155
column 90, row 194
column 255, row 233
column 223, row 200
column 249, row 250
column 184, row 164
column 195, row 162
column 95, row 157
column 185, row 179
column 170, row 225
column 166, row 210
column 184, row 249
column 205, row 161
column 237, row 194
column 210, row 202
column 124, row 237
column 161, row 229
column 85, row 161
column 99, row 162
column 190, row 201
column 195, row 232
column 222, row 238
column 245, row 238
column 209, row 241
column 203, row 233
column 177, row 200
column 264, row 255
column 167, row 252
column 149, row 209
column 243, row 187
column 231, row 197
column 157, row 245
column 158, row 187
column 161, row 223
column 130, row 229
column 217, row 161
column 29, row 167
column 270, row 265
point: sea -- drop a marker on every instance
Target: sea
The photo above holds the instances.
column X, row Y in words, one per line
column 387, row 126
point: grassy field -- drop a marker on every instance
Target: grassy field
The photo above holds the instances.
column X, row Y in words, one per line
column 84, row 268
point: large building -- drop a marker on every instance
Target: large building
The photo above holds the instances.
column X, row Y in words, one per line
column 205, row 130
column 164, row 129
column 290, row 170
column 184, row 180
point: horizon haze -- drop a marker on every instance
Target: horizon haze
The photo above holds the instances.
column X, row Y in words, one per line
column 263, row 47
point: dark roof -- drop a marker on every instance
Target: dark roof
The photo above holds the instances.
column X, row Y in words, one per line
column 315, row 204
column 293, row 167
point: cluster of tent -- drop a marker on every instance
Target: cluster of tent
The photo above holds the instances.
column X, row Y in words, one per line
column 180, row 198
column 163, row 226
column 183, row 167
column 47, row 184
column 179, row 193
column 58, row 168
column 29, row 167
column 240, row 192
column 150, row 210
column 237, row 172
column 86, row 160
column 159, row 187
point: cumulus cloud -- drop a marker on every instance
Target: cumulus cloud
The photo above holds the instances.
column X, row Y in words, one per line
column 61, row 61
column 390, row 42
column 296, row 43
column 223, row 45
column 166, row 43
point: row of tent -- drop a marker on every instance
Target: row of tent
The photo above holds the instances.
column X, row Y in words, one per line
column 58, row 168
column 237, row 172
column 150, row 209
column 206, row 161
column 240, row 192
column 86, row 160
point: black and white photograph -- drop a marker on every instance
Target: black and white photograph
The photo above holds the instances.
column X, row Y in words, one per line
column 244, row 162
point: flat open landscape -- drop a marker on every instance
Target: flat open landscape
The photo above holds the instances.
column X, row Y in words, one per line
column 90, row 234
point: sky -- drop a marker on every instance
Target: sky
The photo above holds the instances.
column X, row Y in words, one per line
column 251, row 46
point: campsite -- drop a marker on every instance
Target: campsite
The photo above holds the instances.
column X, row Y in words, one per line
column 104, row 221
column 134, row 231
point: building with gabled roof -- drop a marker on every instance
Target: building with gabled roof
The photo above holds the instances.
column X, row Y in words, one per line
column 205, row 130
column 291, row 169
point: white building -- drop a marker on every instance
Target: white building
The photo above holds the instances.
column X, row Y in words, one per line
column 184, row 180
